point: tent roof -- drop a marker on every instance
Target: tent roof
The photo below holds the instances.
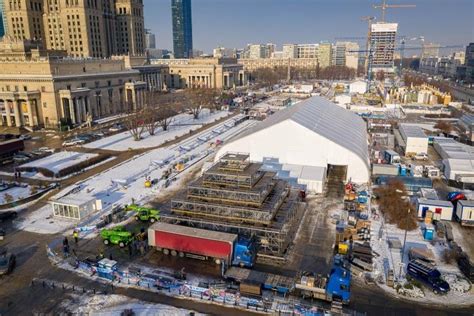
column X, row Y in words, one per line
column 326, row 119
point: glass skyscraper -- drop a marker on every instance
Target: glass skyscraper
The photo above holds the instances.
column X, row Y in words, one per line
column 3, row 21
column 182, row 28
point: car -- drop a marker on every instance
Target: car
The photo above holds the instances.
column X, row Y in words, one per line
column 421, row 156
column 116, row 128
column 20, row 158
column 25, row 137
column 99, row 134
column 7, row 215
column 73, row 142
column 22, row 153
column 46, row 149
column 7, row 261
column 38, row 153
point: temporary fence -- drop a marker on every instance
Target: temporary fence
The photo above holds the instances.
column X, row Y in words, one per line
column 166, row 284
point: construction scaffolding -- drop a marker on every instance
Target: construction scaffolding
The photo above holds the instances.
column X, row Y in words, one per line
column 235, row 196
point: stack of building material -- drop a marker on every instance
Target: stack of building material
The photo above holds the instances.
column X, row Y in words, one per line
column 424, row 254
column 362, row 256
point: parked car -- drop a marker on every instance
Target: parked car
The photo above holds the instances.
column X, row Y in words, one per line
column 7, row 261
column 73, row 142
column 99, row 134
column 116, row 128
column 428, row 274
column 4, row 216
column 20, row 158
column 25, row 137
column 46, row 149
column 22, row 153
column 421, row 156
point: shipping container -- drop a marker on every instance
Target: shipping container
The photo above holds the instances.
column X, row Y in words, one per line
column 441, row 210
column 384, row 169
column 465, row 212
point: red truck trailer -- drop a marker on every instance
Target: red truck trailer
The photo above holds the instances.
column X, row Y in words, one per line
column 192, row 242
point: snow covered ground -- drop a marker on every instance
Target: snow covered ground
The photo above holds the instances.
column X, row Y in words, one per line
column 16, row 193
column 59, row 161
column 390, row 258
column 114, row 305
column 124, row 182
column 180, row 125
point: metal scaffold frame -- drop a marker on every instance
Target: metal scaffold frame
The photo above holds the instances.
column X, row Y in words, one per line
column 235, row 196
column 274, row 241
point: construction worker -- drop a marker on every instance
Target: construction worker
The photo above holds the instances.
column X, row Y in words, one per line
column 75, row 234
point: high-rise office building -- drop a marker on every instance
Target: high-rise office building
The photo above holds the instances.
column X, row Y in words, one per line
column 290, row 51
column 150, row 42
column 256, row 51
column 343, row 54
column 382, row 38
column 429, row 50
column 182, row 28
column 3, row 19
column 325, row 55
column 269, row 49
column 82, row 28
column 307, row 50
column 469, row 62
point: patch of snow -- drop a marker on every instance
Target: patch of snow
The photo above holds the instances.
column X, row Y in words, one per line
column 112, row 305
column 125, row 182
column 17, row 193
column 181, row 125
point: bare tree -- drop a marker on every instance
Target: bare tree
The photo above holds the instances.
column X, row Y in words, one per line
column 135, row 124
column 165, row 114
column 198, row 99
column 444, row 127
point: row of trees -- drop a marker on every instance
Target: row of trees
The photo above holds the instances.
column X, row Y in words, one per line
column 271, row 76
column 417, row 80
column 160, row 108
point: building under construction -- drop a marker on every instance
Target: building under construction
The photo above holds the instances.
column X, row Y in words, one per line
column 236, row 196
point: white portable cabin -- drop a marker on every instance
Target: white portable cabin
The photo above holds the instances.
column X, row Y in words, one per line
column 75, row 208
column 442, row 210
column 465, row 212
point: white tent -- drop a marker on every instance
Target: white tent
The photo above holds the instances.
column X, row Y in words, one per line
column 314, row 132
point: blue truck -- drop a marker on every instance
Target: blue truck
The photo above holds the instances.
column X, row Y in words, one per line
column 427, row 274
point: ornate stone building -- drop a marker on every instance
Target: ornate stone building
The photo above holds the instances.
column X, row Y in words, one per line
column 44, row 88
column 209, row 72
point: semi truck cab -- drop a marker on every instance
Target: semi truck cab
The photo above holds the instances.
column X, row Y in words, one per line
column 245, row 251
column 339, row 285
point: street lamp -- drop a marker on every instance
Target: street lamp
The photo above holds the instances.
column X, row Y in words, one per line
column 406, row 231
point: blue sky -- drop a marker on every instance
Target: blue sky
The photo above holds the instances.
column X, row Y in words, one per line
column 234, row 23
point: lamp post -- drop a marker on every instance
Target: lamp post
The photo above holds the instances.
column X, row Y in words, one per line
column 404, row 243
column 405, row 237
